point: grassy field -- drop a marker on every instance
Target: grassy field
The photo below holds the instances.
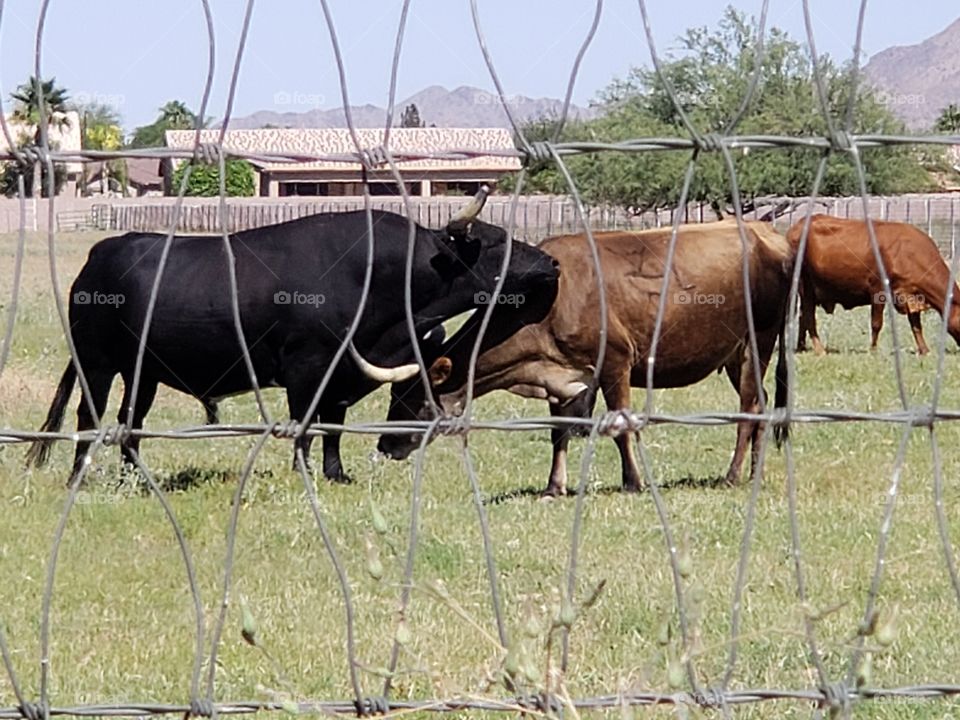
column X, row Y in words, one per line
column 123, row 626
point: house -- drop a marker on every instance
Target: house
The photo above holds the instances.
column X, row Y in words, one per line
column 332, row 178
column 143, row 178
column 65, row 139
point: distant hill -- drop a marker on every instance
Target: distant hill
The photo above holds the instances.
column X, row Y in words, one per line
column 462, row 107
column 918, row 81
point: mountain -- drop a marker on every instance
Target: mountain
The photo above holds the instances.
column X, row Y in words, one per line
column 462, row 107
column 918, row 81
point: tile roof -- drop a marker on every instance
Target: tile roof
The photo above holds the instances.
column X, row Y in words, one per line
column 337, row 141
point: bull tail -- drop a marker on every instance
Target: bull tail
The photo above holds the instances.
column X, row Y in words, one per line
column 782, row 377
column 39, row 451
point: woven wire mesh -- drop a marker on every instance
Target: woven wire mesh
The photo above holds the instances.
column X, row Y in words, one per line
column 827, row 692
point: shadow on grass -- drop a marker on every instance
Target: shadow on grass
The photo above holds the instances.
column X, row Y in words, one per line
column 189, row 478
column 715, row 482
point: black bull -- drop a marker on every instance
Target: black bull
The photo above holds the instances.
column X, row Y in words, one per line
column 299, row 287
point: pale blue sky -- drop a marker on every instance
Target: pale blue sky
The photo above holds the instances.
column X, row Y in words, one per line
column 136, row 54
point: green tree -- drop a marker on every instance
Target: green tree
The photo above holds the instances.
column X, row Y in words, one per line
column 710, row 78
column 174, row 115
column 949, row 120
column 28, row 99
column 410, row 118
column 204, row 180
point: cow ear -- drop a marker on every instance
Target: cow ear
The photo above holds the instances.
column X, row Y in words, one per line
column 440, row 371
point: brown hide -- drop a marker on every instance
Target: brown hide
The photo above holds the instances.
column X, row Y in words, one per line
column 840, row 268
column 704, row 328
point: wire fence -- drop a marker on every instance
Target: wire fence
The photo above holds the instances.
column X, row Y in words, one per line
column 835, row 694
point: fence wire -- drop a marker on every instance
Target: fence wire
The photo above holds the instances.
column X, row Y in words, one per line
column 830, row 693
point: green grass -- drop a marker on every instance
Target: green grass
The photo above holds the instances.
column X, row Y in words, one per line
column 123, row 625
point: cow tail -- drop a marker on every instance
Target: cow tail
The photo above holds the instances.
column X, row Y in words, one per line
column 40, row 449
column 782, row 376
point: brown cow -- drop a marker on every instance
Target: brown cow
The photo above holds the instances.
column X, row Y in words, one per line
column 840, row 268
column 704, row 329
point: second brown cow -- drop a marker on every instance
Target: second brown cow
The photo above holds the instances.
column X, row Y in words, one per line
column 840, row 268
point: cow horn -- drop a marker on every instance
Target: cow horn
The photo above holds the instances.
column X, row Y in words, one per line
column 472, row 210
column 382, row 374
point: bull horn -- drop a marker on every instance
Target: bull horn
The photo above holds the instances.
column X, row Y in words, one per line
column 472, row 210
column 382, row 374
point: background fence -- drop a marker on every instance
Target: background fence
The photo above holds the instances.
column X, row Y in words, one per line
column 537, row 216
column 834, row 693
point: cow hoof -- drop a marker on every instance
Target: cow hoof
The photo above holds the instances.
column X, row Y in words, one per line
column 551, row 492
column 633, row 487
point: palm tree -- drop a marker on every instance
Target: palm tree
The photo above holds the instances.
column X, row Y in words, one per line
column 949, row 120
column 28, row 100
column 100, row 130
column 175, row 115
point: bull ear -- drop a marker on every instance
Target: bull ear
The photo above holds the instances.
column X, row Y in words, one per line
column 440, row 371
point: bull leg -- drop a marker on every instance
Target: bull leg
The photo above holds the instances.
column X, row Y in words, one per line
column 299, row 397
column 617, row 397
column 876, row 323
column 99, row 382
column 917, row 326
column 145, row 396
column 332, row 468
column 212, row 410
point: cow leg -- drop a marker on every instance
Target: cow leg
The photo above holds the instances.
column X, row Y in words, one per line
column 808, row 322
column 580, row 407
column 876, row 323
column 145, row 396
column 617, row 397
column 99, row 382
column 560, row 439
column 740, row 372
column 917, row 326
column 332, row 468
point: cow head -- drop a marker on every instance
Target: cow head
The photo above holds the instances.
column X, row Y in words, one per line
column 448, row 367
column 409, row 401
